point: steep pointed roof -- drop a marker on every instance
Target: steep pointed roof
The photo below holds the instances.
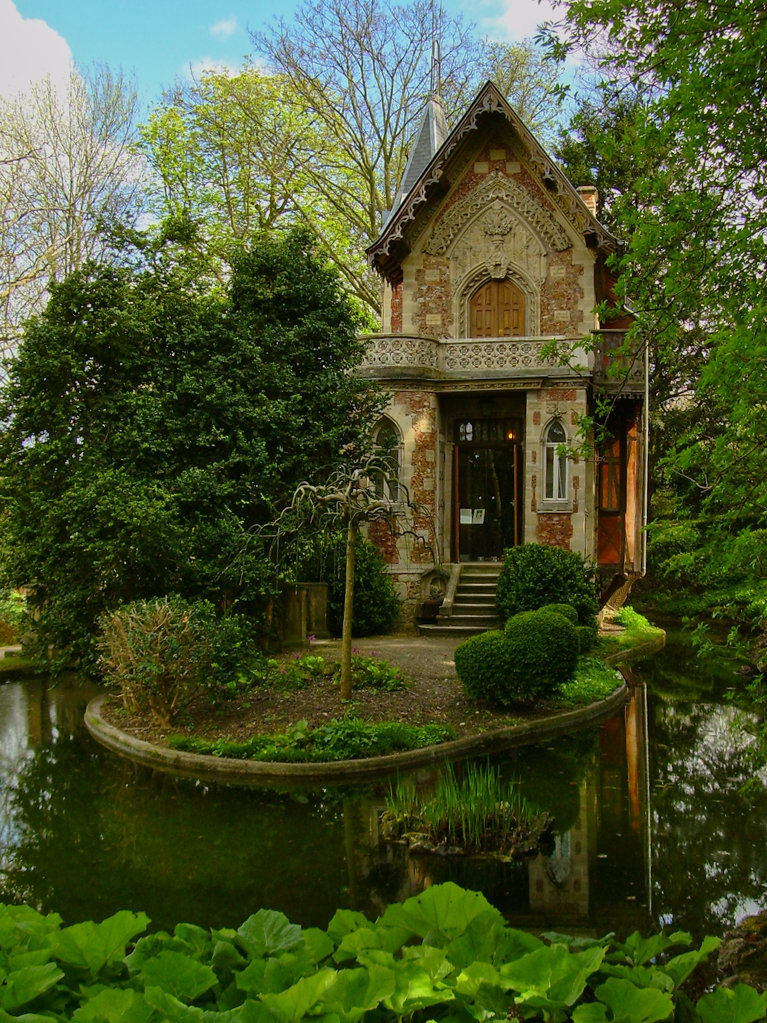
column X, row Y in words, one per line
column 385, row 252
column 432, row 133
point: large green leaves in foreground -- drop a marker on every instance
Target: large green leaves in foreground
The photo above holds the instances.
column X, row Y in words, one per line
column 443, row 955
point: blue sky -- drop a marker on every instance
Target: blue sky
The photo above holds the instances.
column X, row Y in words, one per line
column 160, row 40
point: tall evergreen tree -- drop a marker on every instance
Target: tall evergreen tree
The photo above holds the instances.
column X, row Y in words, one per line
column 151, row 425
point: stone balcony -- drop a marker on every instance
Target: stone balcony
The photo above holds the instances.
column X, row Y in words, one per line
column 417, row 357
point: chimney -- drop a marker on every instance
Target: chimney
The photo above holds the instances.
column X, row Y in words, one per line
column 590, row 197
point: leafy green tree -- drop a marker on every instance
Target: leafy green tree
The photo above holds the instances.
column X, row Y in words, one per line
column 598, row 147
column 697, row 239
column 151, row 424
column 233, row 153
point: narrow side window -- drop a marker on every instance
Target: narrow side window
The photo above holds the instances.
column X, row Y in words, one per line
column 555, row 462
column 387, row 448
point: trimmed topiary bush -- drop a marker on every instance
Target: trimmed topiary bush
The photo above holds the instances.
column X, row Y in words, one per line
column 534, row 575
column 543, row 646
column 483, row 664
column 587, row 636
column 566, row 610
column 536, row 652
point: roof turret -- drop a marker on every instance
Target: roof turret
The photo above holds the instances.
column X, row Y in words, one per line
column 431, row 135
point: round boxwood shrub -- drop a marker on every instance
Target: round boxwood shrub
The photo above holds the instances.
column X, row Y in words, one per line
column 534, row 575
column 483, row 665
column 587, row 636
column 543, row 646
column 566, row 610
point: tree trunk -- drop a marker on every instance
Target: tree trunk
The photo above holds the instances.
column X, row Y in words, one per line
column 346, row 632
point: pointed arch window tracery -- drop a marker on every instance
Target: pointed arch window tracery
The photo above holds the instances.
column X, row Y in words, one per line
column 555, row 462
column 388, row 447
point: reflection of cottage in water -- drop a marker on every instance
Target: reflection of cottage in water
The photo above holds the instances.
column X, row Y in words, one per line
column 596, row 878
column 490, row 260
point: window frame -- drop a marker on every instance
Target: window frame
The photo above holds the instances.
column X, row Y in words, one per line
column 388, row 486
column 556, row 471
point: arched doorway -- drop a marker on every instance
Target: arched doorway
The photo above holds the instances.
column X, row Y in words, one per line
column 497, row 309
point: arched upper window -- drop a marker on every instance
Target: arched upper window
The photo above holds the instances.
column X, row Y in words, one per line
column 555, row 462
column 497, row 309
column 387, row 447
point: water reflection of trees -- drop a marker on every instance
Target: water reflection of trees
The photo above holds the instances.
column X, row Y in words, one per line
column 94, row 834
column 85, row 833
column 709, row 839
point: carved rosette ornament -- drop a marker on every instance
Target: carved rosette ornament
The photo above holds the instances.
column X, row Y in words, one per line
column 496, row 226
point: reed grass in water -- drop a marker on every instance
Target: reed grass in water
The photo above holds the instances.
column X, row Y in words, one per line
column 478, row 812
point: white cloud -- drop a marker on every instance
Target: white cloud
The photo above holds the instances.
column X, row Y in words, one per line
column 29, row 50
column 198, row 67
column 224, row 28
column 512, row 20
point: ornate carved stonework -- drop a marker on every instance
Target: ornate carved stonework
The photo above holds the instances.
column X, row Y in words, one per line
column 496, row 226
column 494, row 355
column 451, row 357
column 402, row 350
column 489, row 101
column 510, row 196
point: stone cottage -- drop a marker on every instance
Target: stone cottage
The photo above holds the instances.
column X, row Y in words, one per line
column 492, row 264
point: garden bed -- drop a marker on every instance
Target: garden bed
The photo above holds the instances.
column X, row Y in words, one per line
column 433, row 697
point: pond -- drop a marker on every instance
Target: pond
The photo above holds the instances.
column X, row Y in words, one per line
column 652, row 826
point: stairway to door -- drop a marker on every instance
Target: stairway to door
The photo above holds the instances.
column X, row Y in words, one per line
column 473, row 609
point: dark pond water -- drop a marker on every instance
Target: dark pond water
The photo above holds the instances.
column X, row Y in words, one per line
column 652, row 829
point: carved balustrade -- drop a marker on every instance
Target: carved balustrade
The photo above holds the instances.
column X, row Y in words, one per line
column 403, row 355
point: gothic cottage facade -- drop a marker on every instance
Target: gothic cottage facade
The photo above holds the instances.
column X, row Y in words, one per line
column 491, row 260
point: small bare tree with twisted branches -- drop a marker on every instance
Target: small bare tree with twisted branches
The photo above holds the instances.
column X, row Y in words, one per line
column 355, row 493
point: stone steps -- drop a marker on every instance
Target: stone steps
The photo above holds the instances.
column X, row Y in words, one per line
column 473, row 608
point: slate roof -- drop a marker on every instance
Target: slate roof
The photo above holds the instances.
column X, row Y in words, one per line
column 431, row 135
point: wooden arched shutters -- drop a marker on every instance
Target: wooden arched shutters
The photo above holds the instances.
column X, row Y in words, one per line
column 497, row 309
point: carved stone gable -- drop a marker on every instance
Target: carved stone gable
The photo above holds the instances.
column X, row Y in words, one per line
column 509, row 194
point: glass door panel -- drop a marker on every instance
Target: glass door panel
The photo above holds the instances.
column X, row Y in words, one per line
column 487, row 501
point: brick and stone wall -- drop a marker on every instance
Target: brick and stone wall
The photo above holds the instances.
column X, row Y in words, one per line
column 535, row 247
column 410, row 548
column 567, row 523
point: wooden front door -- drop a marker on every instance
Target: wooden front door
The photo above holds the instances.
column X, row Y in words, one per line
column 497, row 309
